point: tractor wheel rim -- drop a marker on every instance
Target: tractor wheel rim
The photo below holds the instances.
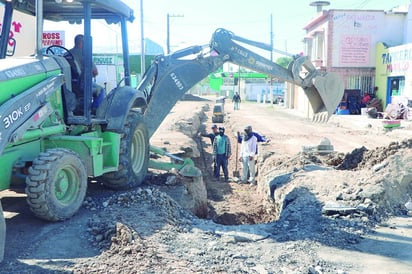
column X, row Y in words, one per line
column 137, row 151
column 66, row 185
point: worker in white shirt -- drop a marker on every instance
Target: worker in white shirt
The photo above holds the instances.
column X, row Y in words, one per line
column 248, row 155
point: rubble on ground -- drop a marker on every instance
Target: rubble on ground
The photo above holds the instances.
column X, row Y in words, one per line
column 319, row 200
column 372, row 185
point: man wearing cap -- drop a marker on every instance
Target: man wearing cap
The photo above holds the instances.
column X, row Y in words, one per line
column 212, row 135
column 221, row 153
column 248, row 152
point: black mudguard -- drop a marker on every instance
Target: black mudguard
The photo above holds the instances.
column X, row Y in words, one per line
column 117, row 105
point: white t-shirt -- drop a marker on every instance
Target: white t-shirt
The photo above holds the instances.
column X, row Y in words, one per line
column 248, row 147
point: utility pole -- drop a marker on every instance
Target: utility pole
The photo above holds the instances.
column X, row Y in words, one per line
column 271, row 58
column 168, row 30
column 271, row 37
column 142, row 54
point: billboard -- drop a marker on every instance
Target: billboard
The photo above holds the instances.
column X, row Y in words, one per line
column 23, row 30
column 355, row 34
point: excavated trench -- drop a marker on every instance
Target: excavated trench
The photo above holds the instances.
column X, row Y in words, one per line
column 371, row 202
column 226, row 206
column 229, row 204
column 370, row 199
column 222, row 198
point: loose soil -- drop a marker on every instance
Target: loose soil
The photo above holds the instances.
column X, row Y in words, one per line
column 338, row 212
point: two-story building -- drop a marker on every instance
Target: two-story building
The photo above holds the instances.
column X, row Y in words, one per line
column 345, row 42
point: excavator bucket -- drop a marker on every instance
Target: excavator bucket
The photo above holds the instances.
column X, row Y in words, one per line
column 324, row 96
column 323, row 90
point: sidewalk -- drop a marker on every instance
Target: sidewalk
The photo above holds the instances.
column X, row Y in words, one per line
column 363, row 121
column 352, row 121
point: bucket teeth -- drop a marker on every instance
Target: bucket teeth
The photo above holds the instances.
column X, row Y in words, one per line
column 320, row 117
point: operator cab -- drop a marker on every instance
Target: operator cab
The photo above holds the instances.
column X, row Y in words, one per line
column 76, row 86
column 74, row 12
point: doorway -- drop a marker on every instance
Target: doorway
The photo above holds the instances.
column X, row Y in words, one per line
column 396, row 86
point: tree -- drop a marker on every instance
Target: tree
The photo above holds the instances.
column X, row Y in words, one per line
column 284, row 61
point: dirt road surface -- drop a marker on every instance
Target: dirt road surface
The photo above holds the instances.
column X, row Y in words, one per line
column 337, row 213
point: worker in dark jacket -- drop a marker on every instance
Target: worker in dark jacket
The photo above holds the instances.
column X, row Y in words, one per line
column 236, row 101
column 211, row 135
column 221, row 153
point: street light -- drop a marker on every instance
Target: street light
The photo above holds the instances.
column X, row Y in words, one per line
column 168, row 29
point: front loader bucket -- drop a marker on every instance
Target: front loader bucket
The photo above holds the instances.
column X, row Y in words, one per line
column 190, row 171
column 325, row 95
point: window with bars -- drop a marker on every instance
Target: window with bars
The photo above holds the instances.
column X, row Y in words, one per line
column 364, row 83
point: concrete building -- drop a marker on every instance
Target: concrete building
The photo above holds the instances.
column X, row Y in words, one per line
column 394, row 74
column 345, row 42
column 394, row 68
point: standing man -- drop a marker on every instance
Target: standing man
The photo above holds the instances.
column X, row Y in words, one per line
column 221, row 153
column 212, row 135
column 247, row 156
column 236, row 100
column 259, row 138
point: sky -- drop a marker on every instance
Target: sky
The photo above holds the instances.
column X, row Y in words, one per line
column 249, row 19
column 192, row 22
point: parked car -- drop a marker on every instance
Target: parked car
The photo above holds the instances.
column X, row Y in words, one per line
column 218, row 115
column 278, row 96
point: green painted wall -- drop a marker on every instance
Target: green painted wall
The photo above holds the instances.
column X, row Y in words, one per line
column 381, row 73
column 393, row 62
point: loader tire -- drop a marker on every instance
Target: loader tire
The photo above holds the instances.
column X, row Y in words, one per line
column 56, row 184
column 134, row 155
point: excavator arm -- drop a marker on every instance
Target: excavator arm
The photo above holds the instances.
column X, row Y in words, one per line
column 171, row 76
column 324, row 90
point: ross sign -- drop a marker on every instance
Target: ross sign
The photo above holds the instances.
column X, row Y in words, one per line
column 51, row 38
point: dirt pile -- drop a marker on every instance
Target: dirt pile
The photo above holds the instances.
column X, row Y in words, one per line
column 364, row 158
column 126, row 230
column 382, row 179
column 357, row 159
column 309, row 210
column 166, row 239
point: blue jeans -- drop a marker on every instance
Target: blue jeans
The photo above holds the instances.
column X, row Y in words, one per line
column 98, row 95
column 236, row 105
column 221, row 161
